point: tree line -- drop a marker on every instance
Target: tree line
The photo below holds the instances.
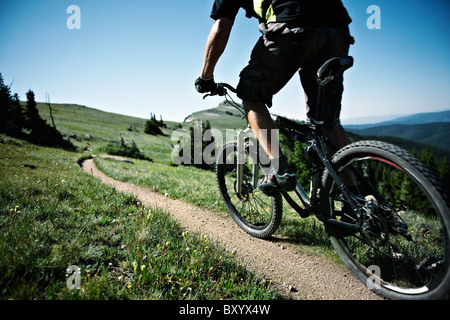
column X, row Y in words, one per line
column 302, row 164
column 24, row 122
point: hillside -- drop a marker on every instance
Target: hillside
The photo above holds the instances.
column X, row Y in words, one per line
column 92, row 129
column 77, row 119
column 224, row 116
column 184, row 183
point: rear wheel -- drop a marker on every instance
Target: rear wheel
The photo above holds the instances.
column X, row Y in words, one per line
column 256, row 213
column 403, row 247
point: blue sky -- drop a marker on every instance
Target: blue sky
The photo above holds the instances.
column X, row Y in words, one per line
column 135, row 57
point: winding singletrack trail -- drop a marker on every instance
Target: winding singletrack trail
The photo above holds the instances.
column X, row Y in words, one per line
column 296, row 275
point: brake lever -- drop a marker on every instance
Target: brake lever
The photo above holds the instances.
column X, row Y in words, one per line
column 208, row 95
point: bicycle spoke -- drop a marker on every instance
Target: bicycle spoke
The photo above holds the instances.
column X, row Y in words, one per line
column 267, row 209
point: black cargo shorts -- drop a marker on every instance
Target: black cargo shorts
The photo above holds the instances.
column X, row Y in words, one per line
column 284, row 50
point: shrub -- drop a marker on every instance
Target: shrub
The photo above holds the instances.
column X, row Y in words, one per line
column 125, row 150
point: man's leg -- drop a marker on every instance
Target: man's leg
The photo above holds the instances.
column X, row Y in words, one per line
column 280, row 178
column 263, row 127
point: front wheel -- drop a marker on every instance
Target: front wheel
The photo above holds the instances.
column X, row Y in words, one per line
column 402, row 248
column 256, row 213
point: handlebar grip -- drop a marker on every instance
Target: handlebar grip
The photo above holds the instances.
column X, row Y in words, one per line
column 229, row 87
column 220, row 90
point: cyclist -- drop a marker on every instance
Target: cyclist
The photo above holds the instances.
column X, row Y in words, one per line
column 297, row 36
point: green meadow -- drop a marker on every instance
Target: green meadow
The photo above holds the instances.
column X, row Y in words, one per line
column 53, row 216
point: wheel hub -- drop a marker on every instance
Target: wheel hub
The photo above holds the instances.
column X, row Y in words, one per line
column 247, row 189
column 374, row 225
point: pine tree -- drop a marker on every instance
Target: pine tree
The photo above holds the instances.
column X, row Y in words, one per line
column 11, row 111
column 427, row 156
column 41, row 133
column 14, row 118
column 5, row 103
column 444, row 172
column 33, row 120
column 17, row 112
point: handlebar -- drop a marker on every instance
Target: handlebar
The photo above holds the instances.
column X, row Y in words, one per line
column 221, row 90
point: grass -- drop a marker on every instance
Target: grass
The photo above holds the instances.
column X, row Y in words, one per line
column 53, row 215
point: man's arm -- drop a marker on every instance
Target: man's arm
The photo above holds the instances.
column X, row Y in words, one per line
column 215, row 45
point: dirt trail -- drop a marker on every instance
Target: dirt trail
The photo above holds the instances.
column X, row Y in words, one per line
column 295, row 274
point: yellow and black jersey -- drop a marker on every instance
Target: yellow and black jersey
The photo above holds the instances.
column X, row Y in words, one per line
column 314, row 13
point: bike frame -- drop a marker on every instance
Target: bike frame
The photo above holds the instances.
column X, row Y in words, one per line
column 314, row 142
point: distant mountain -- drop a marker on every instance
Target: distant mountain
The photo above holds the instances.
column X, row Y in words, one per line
column 431, row 128
column 418, row 118
column 369, row 120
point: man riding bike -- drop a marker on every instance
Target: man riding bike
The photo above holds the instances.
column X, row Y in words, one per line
column 297, row 36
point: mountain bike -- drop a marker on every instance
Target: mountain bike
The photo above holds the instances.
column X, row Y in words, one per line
column 394, row 237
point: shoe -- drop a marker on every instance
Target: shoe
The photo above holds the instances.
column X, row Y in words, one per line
column 275, row 182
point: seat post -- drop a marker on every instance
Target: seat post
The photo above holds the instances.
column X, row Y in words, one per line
column 319, row 106
column 327, row 73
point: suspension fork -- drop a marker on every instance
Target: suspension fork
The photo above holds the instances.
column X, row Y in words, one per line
column 242, row 135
